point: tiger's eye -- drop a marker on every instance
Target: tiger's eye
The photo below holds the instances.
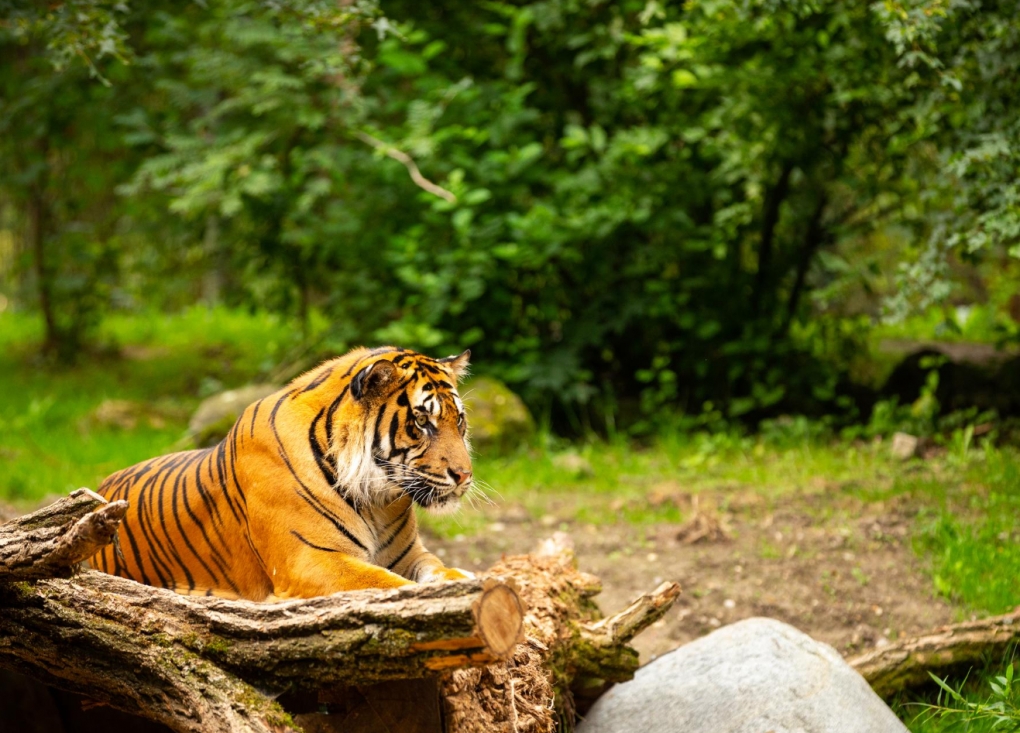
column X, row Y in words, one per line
column 421, row 419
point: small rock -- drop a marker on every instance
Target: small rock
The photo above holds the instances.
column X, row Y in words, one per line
column 129, row 414
column 904, row 446
column 753, row 676
column 498, row 419
column 217, row 414
column 573, row 463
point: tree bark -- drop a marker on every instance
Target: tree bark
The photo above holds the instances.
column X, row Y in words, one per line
column 907, row 662
column 37, row 216
column 52, row 541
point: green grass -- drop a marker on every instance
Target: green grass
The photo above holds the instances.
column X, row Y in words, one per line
column 48, row 442
column 974, row 543
column 986, row 700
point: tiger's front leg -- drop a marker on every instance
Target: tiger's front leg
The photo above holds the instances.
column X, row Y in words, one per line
column 305, row 554
column 424, row 567
column 402, row 551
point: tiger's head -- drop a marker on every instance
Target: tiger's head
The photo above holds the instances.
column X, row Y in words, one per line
column 415, row 430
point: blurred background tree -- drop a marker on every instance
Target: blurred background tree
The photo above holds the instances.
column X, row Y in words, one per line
column 645, row 209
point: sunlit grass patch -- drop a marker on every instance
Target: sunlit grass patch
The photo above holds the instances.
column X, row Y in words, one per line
column 49, row 443
column 974, row 543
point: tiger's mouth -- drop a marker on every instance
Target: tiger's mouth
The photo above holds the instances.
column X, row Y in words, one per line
column 435, row 498
column 423, row 490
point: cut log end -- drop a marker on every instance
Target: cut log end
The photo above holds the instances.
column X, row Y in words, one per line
column 500, row 618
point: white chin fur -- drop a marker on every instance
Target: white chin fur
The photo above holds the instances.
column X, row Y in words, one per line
column 442, row 509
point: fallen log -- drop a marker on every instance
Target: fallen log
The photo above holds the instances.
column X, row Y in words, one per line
column 49, row 543
column 198, row 663
column 906, row 663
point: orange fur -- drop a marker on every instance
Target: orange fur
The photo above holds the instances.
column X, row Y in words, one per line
column 312, row 491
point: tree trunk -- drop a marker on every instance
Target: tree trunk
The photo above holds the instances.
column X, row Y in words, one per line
column 37, row 216
column 769, row 220
column 813, row 239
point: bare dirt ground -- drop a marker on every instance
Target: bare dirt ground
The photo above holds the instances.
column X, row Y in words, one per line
column 839, row 569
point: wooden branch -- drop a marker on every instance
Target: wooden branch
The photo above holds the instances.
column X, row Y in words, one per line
column 412, row 167
column 906, row 663
column 603, row 641
column 51, row 542
column 568, row 655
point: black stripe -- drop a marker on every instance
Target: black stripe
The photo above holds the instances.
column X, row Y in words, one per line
column 217, row 556
column 412, row 572
column 396, row 533
column 400, row 557
column 126, row 527
column 394, row 425
column 210, row 505
column 221, row 469
column 254, row 414
column 233, row 466
column 166, row 532
column 327, row 471
column 143, row 510
column 314, row 502
column 317, row 381
column 160, row 560
column 304, row 492
column 311, row 544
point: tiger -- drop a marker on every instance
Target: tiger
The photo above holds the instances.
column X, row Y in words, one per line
column 311, row 492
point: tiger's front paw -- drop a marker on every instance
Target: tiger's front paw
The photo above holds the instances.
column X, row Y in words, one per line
column 440, row 574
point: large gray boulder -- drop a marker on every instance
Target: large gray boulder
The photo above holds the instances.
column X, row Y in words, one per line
column 499, row 419
column 755, row 676
column 217, row 414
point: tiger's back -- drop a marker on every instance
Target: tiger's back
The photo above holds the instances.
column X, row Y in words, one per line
column 186, row 527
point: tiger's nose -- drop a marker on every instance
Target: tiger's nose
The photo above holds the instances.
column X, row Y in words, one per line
column 459, row 476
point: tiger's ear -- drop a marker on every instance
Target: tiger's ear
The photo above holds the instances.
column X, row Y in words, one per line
column 370, row 380
column 458, row 364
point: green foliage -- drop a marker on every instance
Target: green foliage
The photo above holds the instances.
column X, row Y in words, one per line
column 74, row 31
column 1001, row 709
column 985, row 700
column 651, row 214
